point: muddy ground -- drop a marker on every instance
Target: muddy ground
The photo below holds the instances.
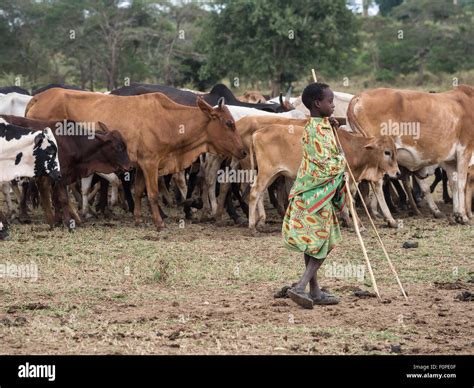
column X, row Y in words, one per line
column 113, row 288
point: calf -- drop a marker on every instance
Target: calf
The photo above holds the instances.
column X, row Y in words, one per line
column 79, row 156
column 278, row 151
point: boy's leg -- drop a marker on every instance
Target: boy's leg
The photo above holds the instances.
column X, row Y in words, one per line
column 297, row 293
column 315, row 293
column 314, row 289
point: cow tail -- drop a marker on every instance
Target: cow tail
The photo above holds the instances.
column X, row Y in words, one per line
column 351, row 117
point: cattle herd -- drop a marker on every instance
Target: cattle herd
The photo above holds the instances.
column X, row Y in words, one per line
column 64, row 149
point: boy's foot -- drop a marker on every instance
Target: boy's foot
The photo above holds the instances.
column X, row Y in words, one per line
column 325, row 299
column 300, row 298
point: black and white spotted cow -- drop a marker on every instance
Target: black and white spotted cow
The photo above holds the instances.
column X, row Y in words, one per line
column 25, row 153
column 3, row 227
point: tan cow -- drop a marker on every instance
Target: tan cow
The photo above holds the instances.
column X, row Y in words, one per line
column 162, row 137
column 246, row 126
column 253, row 97
column 433, row 128
column 278, row 151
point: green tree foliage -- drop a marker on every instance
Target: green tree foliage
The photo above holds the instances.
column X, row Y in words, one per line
column 276, row 40
column 266, row 44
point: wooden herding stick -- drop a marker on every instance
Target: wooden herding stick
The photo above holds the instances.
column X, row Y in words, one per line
column 356, row 226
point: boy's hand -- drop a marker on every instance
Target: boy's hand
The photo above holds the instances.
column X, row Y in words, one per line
column 334, row 123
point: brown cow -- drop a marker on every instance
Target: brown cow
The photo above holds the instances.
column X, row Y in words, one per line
column 434, row 129
column 278, row 151
column 162, row 136
column 80, row 155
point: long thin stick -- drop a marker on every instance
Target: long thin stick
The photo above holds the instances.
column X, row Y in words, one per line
column 392, row 267
column 394, row 271
column 356, row 226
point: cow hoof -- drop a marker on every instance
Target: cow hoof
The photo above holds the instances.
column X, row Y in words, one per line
column 392, row 224
column 240, row 221
column 463, row 220
column 254, row 232
column 206, row 218
column 439, row 214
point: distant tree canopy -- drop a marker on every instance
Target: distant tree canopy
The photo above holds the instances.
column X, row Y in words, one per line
column 265, row 43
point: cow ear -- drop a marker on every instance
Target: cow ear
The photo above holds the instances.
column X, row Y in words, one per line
column 101, row 137
column 102, row 126
column 39, row 137
column 371, row 144
column 205, row 107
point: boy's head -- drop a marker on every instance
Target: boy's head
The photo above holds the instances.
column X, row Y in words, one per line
column 319, row 99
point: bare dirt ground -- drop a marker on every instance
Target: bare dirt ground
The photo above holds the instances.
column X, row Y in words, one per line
column 113, row 288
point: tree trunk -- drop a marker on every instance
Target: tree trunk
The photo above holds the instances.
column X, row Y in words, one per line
column 91, row 76
column 276, row 85
column 365, row 8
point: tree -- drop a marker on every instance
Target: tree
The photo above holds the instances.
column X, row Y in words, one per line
column 267, row 39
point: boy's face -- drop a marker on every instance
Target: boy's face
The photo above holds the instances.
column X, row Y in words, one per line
column 326, row 105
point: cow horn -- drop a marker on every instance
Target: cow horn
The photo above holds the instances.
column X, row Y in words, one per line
column 281, row 99
column 221, row 102
column 288, row 94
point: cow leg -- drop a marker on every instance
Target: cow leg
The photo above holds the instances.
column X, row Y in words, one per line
column 139, row 190
column 387, row 191
column 150, row 173
column 60, row 201
column 101, row 207
column 425, row 189
column 261, row 183
column 446, row 197
column 460, row 186
column 407, row 186
column 126, row 179
column 224, row 188
column 243, row 204
column 3, row 227
column 438, row 178
column 17, row 191
column 209, row 171
column 86, row 184
column 469, row 198
column 114, row 189
column 402, row 196
column 6, row 189
column 272, row 195
column 44, row 188
column 73, row 211
column 179, row 180
column 165, row 192
column 383, row 205
column 370, row 199
column 281, row 194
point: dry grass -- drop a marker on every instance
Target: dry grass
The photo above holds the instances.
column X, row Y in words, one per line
column 207, row 289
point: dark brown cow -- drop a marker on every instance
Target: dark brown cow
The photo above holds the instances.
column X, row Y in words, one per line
column 80, row 155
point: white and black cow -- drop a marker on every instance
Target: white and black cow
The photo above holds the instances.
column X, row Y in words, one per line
column 25, row 153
